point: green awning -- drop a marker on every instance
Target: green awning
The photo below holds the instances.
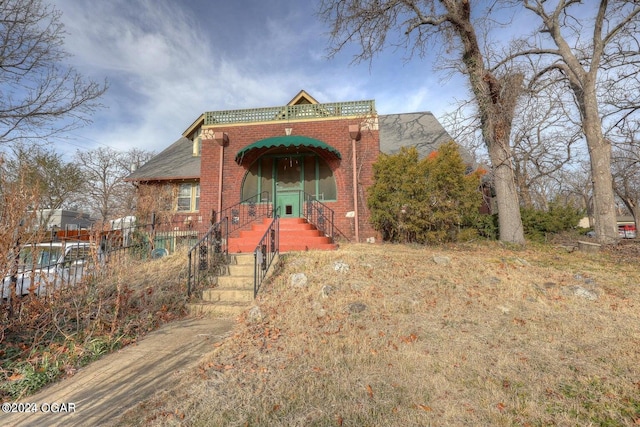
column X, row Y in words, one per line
column 287, row 141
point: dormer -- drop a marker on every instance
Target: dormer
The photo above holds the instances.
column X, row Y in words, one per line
column 194, row 134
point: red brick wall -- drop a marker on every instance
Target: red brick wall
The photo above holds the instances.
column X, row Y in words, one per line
column 333, row 132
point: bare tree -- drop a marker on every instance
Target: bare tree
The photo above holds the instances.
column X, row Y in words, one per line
column 45, row 173
column 422, row 24
column 626, row 170
column 40, row 96
column 612, row 42
column 544, row 138
column 104, row 170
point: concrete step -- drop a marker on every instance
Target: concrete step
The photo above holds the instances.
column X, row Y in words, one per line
column 228, row 294
column 241, row 269
column 300, row 232
column 296, row 234
column 317, row 243
column 241, row 259
column 302, row 246
column 218, row 309
column 235, row 281
column 283, row 226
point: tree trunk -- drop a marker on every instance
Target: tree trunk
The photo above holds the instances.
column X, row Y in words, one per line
column 496, row 99
column 604, row 213
column 509, row 219
column 636, row 218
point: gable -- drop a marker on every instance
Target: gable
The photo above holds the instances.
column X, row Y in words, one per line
column 302, row 98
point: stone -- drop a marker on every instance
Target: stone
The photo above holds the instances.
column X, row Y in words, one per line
column 441, row 260
column 371, row 239
column 326, row 291
column 581, row 292
column 298, row 280
column 340, row 267
column 357, row 307
column 588, row 246
column 255, row 314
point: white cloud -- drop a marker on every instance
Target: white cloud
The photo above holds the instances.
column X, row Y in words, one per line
column 168, row 62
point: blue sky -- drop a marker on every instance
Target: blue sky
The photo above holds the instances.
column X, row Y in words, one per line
column 168, row 61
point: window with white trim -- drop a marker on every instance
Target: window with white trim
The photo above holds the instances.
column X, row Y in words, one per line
column 188, row 197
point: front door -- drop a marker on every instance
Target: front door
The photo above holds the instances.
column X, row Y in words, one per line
column 289, row 185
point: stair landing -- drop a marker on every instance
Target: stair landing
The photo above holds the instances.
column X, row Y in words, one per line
column 296, row 234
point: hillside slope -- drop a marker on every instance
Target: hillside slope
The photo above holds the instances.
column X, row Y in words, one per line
column 405, row 336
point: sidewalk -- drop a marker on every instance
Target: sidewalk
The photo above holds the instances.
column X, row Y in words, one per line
column 103, row 390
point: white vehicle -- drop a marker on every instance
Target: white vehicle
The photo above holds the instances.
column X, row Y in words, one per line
column 44, row 267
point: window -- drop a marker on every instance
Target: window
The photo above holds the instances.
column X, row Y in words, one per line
column 251, row 181
column 188, row 197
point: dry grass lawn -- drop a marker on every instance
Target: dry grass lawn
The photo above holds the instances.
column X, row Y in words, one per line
column 486, row 336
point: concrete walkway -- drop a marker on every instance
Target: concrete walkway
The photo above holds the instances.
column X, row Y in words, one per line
column 103, row 390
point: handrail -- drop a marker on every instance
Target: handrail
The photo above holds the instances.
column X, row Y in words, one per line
column 265, row 252
column 319, row 214
column 247, row 211
column 212, row 254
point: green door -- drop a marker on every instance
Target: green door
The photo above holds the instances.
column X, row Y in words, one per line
column 289, row 185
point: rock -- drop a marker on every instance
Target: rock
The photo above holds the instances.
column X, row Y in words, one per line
column 441, row 260
column 298, row 280
column 356, row 307
column 371, row 239
column 340, row 267
column 326, row 291
column 588, row 246
column 255, row 314
column 581, row 292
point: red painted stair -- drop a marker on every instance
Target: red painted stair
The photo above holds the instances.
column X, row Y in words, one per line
column 296, row 234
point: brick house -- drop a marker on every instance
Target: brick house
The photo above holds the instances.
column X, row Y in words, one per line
column 282, row 157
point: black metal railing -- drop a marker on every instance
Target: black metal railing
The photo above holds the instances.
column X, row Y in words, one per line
column 265, row 252
column 247, row 211
column 318, row 214
column 209, row 257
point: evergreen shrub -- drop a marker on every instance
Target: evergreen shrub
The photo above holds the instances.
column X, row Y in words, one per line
column 424, row 201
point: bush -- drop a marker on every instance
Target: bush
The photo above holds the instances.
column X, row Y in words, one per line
column 423, row 201
column 559, row 217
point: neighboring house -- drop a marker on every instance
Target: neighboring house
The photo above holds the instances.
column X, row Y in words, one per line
column 280, row 153
column 63, row 219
